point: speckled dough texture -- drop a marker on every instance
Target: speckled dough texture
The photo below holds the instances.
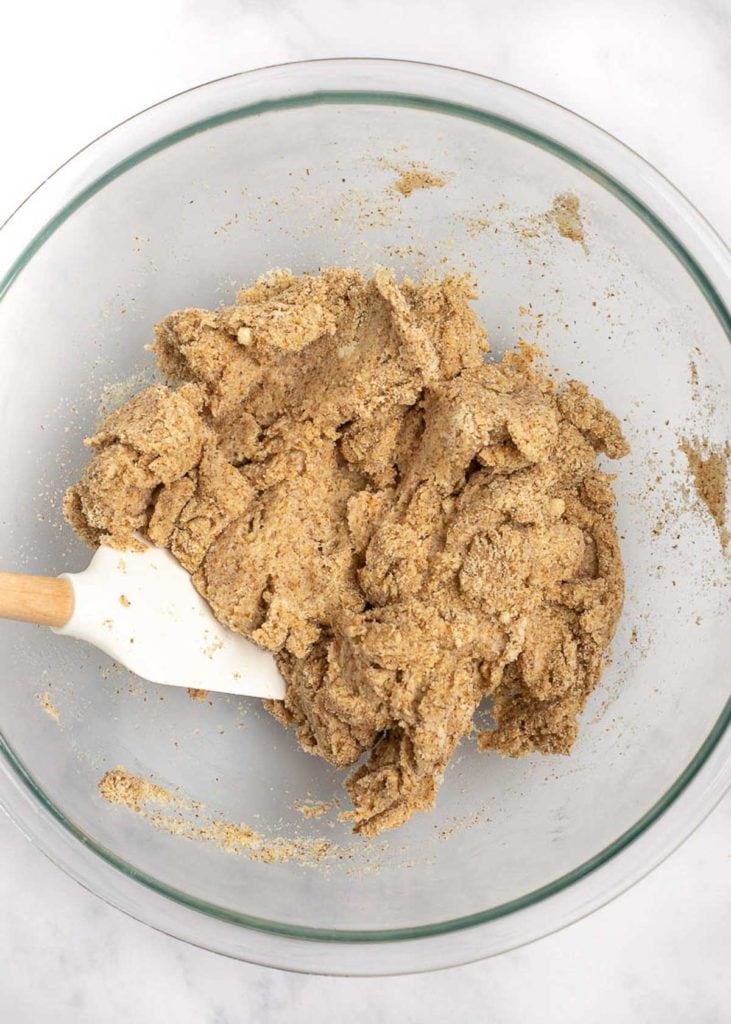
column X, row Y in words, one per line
column 408, row 527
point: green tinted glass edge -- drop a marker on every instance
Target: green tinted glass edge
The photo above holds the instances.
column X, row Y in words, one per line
column 724, row 317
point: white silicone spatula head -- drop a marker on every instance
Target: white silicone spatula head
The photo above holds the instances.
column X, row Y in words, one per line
column 143, row 610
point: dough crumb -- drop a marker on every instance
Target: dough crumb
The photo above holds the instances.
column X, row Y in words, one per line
column 408, row 528
column 195, row 694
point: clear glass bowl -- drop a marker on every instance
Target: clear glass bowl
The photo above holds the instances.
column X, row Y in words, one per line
column 294, row 166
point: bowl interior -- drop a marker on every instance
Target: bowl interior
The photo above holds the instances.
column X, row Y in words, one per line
column 305, row 187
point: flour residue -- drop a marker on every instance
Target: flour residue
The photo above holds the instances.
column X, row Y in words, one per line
column 708, row 465
column 411, row 179
column 412, row 176
column 565, row 215
column 116, row 393
column 309, row 810
column 172, row 814
column 133, row 791
column 44, row 699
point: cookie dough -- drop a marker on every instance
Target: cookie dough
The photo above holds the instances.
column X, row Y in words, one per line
column 407, row 527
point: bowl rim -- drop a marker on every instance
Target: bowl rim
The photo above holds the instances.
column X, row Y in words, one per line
column 677, row 223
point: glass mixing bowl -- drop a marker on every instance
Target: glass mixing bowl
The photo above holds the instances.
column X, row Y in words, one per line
column 294, row 166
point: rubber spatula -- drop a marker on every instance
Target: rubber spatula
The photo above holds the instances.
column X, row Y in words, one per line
column 143, row 610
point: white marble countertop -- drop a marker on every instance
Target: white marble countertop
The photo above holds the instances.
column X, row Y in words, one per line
column 658, row 75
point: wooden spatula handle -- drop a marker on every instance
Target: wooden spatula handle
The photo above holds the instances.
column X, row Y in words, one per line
column 47, row 600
